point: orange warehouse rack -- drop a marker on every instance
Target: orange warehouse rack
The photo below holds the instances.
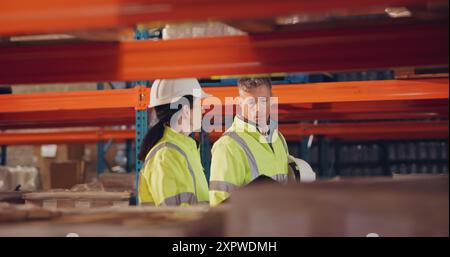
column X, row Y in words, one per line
column 384, row 46
column 29, row 16
column 323, row 101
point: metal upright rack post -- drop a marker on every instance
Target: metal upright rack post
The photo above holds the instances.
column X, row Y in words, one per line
column 3, row 155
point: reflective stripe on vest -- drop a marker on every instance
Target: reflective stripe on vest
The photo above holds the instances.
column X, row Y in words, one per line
column 250, row 157
column 185, row 197
column 180, row 199
column 222, row 186
column 282, row 178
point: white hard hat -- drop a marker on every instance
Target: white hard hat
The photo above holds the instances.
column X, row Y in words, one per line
column 307, row 174
column 167, row 91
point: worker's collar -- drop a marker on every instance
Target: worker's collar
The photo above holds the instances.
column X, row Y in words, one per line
column 178, row 137
column 245, row 125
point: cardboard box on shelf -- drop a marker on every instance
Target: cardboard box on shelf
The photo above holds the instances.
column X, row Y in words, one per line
column 48, row 154
column 66, row 174
column 118, row 182
column 75, row 152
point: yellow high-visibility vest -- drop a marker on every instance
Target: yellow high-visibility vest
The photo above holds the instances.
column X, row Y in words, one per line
column 241, row 155
column 172, row 174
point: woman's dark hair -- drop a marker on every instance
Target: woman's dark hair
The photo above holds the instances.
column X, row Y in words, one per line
column 164, row 114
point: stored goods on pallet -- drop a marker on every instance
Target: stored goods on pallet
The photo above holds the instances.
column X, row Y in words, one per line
column 51, row 159
column 23, row 178
column 118, row 182
column 65, row 175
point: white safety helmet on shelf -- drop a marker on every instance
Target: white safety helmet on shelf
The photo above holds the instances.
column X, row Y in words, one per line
column 166, row 91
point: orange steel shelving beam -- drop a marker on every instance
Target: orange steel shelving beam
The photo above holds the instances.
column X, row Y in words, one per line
column 75, row 137
column 138, row 98
column 380, row 90
column 364, row 100
column 355, row 128
column 374, row 130
column 346, row 131
column 135, row 98
column 59, row 119
column 386, row 110
column 30, row 16
column 364, row 130
column 364, row 111
column 384, row 46
column 418, row 98
column 70, row 109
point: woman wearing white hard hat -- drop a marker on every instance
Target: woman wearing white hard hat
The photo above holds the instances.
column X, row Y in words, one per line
column 172, row 174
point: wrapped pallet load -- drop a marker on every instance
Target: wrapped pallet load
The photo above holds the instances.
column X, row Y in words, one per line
column 19, row 178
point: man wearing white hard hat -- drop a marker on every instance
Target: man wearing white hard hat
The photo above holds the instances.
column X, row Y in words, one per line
column 172, row 174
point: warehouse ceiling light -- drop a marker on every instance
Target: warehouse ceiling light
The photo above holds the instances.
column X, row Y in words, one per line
column 298, row 19
column 398, row 12
column 29, row 38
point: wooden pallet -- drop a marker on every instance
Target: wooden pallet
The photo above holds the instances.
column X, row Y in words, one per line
column 68, row 199
column 12, row 197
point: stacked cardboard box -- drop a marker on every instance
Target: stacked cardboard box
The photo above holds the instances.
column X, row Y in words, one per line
column 60, row 166
column 119, row 182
